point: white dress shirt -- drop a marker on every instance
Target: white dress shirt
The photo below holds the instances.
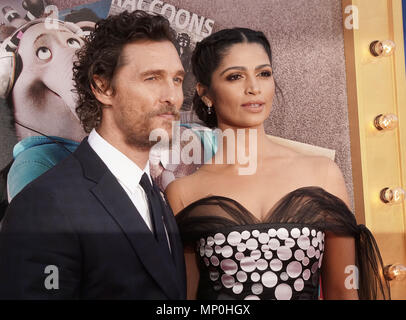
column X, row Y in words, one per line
column 127, row 173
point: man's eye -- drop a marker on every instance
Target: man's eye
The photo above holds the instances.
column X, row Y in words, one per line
column 151, row 78
column 234, row 77
column 43, row 53
column 178, row 80
column 266, row 74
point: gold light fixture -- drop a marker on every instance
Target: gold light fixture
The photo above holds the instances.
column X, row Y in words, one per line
column 392, row 195
column 386, row 121
column 395, row 271
column 383, row 48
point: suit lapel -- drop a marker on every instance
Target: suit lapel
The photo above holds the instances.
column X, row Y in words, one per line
column 116, row 202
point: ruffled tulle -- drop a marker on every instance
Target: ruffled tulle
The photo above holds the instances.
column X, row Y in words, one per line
column 308, row 206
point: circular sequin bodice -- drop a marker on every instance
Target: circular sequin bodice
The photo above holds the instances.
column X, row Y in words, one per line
column 262, row 261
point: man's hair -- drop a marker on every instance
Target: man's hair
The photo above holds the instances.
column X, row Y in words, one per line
column 101, row 53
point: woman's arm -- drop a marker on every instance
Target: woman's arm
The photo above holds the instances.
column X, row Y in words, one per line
column 339, row 273
column 174, row 196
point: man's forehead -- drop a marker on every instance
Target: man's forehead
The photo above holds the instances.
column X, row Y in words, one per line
column 149, row 50
column 151, row 55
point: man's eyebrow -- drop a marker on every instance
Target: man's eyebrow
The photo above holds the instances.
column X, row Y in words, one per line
column 180, row 73
column 160, row 72
column 152, row 71
column 244, row 68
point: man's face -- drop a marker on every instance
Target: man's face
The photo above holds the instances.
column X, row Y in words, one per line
column 147, row 91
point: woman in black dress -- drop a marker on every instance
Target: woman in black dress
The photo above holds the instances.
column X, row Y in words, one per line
column 272, row 226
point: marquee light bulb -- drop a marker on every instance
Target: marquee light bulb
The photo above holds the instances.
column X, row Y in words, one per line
column 392, row 195
column 395, row 271
column 386, row 121
column 383, row 48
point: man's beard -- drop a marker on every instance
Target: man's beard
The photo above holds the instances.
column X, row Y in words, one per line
column 137, row 134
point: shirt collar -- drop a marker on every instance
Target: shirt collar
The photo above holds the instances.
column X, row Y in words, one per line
column 124, row 169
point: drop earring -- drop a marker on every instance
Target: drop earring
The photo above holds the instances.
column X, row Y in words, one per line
column 209, row 109
column 207, row 102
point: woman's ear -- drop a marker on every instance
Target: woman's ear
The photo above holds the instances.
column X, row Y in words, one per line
column 101, row 90
column 202, row 91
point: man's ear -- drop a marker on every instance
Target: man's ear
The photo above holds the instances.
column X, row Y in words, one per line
column 202, row 91
column 101, row 90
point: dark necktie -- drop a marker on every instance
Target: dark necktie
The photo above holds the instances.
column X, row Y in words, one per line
column 155, row 209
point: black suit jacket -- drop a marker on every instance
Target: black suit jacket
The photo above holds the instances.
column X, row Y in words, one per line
column 77, row 219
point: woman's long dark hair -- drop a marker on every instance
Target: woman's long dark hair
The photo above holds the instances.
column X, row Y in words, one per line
column 208, row 55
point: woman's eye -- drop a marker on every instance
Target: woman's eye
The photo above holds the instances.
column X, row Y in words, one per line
column 73, row 43
column 43, row 53
column 266, row 74
column 234, row 77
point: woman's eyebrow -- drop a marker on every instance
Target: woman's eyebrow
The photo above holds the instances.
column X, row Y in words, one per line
column 232, row 68
column 244, row 68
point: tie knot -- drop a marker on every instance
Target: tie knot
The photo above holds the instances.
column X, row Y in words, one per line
column 146, row 183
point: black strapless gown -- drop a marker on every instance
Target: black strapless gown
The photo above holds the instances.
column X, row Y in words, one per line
column 279, row 258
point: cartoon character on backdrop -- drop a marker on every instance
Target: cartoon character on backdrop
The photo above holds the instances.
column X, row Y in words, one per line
column 35, row 9
column 168, row 164
column 183, row 42
column 37, row 81
column 36, row 62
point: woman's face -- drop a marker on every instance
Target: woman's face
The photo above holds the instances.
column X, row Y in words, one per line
column 242, row 87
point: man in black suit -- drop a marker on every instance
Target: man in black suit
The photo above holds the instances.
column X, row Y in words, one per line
column 95, row 226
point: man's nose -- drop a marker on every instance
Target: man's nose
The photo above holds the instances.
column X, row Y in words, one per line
column 170, row 93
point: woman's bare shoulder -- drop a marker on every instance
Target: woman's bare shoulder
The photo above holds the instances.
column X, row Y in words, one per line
column 315, row 169
column 300, row 158
column 329, row 175
column 320, row 167
column 183, row 191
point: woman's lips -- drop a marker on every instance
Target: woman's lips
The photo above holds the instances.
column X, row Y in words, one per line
column 253, row 106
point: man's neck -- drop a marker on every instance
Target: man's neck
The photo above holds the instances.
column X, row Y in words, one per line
column 139, row 156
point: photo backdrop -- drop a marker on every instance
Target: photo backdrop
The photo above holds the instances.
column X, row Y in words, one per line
column 308, row 52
